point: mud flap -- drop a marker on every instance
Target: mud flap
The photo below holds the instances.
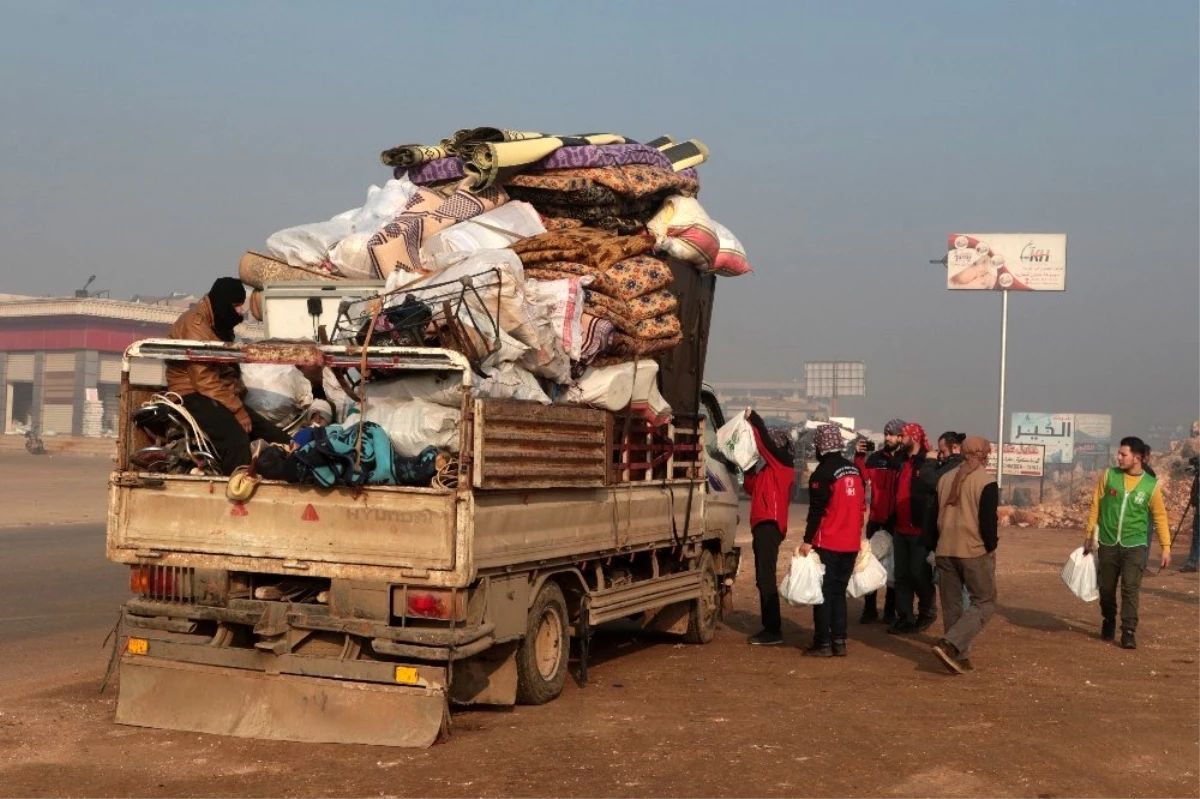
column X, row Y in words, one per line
column 170, row 695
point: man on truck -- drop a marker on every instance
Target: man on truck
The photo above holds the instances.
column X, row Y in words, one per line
column 770, row 487
column 212, row 393
column 880, row 469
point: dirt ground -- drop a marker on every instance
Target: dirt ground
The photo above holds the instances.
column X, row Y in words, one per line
column 52, row 489
column 1051, row 711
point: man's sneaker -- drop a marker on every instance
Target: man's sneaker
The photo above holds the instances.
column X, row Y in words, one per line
column 1128, row 641
column 902, row 627
column 818, row 651
column 1108, row 630
column 925, row 622
column 839, row 649
column 948, row 654
column 869, row 615
column 765, row 638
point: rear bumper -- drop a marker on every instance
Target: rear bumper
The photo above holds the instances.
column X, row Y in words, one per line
column 275, row 618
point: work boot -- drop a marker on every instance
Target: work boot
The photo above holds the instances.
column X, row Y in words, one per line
column 818, row 650
column 902, row 627
column 869, row 615
column 765, row 638
column 839, row 648
column 1108, row 630
column 1128, row 641
column 925, row 622
column 948, row 654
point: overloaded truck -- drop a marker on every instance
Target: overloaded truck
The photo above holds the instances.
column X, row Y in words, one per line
column 361, row 614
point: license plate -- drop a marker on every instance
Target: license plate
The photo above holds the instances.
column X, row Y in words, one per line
column 406, row 675
column 138, row 646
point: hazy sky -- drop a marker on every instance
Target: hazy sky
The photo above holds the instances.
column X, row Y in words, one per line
column 152, row 143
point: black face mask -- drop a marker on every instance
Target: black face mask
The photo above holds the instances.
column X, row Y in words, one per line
column 226, row 293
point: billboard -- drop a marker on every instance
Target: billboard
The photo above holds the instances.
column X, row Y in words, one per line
column 1093, row 435
column 1006, row 261
column 835, row 378
column 1054, row 431
column 1020, row 460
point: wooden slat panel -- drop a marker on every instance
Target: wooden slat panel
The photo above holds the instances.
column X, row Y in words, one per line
column 523, row 445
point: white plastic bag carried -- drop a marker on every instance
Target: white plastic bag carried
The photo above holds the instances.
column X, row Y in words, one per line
column 802, row 584
column 881, row 547
column 1079, row 574
column 869, row 574
column 735, row 440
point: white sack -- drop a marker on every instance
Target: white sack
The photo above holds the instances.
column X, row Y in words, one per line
column 413, row 425
column 802, row 584
column 494, row 230
column 1079, row 574
column 869, row 575
column 277, row 392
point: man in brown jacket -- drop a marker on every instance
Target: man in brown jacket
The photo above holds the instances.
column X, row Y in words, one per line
column 961, row 528
column 212, row 393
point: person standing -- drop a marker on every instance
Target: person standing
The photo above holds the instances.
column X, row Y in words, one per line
column 836, row 511
column 1193, row 561
column 914, row 575
column 1127, row 498
column 880, row 469
column 962, row 526
column 770, row 487
column 212, row 393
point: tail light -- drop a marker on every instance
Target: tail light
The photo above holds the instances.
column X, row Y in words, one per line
column 440, row 604
column 172, row 583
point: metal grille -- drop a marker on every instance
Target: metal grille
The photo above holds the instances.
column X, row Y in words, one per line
column 169, row 583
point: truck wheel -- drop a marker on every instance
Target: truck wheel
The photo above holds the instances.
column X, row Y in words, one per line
column 542, row 655
column 702, row 620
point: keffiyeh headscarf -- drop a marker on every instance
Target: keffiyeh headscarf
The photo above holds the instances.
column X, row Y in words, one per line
column 917, row 433
column 894, row 427
column 828, row 438
column 975, row 451
column 781, row 439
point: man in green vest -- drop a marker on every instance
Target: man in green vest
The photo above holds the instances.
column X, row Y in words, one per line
column 1125, row 500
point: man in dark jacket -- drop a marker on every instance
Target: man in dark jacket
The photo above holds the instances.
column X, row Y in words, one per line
column 879, row 470
column 212, row 393
column 914, row 576
column 836, row 509
column 770, row 487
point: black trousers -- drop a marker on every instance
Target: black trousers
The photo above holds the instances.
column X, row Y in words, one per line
column 871, row 602
column 914, row 579
column 231, row 442
column 767, row 539
column 829, row 617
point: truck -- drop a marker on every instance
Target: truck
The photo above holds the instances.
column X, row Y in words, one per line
column 361, row 615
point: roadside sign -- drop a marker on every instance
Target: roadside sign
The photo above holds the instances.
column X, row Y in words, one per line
column 1020, row 460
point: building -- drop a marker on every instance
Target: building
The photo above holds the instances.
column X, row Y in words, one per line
column 60, row 359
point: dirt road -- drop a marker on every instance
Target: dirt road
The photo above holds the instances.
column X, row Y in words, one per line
column 1051, row 711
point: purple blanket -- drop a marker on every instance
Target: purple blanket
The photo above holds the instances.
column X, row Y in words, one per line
column 590, row 155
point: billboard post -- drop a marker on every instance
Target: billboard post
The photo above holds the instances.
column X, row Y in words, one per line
column 1003, row 376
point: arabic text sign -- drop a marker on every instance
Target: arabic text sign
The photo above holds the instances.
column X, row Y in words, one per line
column 1054, row 431
column 1092, row 428
column 1020, row 460
column 1007, row 261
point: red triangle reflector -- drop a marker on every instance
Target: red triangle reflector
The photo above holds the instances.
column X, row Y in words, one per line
column 239, row 509
column 310, row 514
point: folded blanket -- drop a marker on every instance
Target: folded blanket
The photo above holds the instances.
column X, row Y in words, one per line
column 634, row 180
column 597, row 337
column 596, row 248
column 625, row 347
column 256, row 270
column 690, row 154
column 397, row 246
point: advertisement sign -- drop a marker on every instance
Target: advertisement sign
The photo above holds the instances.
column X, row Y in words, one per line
column 1093, row 428
column 1020, row 460
column 1006, row 261
column 1054, row 431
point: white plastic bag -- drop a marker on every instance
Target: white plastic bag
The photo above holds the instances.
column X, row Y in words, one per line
column 736, row 442
column 493, row 230
column 1079, row 574
column 277, row 392
column 869, row 574
column 413, row 425
column 881, row 547
column 802, row 584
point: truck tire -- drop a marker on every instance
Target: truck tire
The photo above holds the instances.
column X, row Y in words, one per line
column 702, row 619
column 542, row 655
